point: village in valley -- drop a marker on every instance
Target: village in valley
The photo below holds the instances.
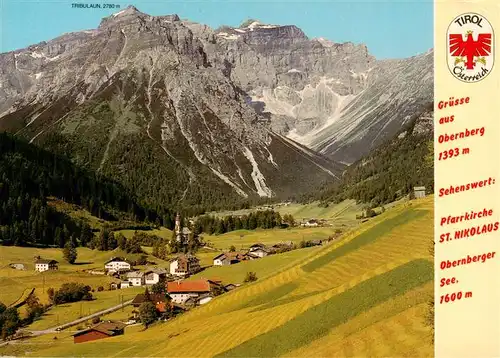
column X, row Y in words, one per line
column 152, row 290
column 167, row 289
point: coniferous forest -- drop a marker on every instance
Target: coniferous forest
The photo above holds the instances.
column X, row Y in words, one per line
column 265, row 219
column 29, row 175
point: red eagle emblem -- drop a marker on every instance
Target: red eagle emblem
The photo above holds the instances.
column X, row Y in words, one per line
column 470, row 48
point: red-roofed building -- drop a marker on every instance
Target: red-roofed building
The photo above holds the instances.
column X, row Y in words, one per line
column 181, row 291
column 99, row 331
column 160, row 300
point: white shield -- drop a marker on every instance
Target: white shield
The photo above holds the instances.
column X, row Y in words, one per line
column 470, row 47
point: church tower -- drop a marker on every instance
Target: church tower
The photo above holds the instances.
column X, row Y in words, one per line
column 178, row 227
column 177, row 224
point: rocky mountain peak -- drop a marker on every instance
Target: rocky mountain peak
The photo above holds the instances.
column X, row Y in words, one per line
column 129, row 10
column 127, row 14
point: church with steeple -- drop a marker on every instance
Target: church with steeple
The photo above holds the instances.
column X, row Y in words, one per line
column 181, row 233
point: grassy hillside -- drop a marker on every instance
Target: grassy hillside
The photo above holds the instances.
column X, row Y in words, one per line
column 15, row 282
column 342, row 213
column 243, row 239
column 262, row 267
column 364, row 295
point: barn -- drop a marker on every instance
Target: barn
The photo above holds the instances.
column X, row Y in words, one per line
column 99, row 331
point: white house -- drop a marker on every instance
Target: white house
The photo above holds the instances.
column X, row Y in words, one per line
column 419, row 192
column 136, row 278
column 221, row 260
column 45, row 265
column 117, row 264
column 153, row 276
column 259, row 251
column 181, row 291
column 311, row 223
column 125, row 284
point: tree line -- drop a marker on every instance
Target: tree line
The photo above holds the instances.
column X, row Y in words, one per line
column 11, row 320
column 29, row 221
column 389, row 172
column 264, row 219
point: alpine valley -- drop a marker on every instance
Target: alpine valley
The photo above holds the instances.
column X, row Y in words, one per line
column 171, row 189
column 181, row 114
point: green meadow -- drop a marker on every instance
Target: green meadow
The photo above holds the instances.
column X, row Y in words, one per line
column 365, row 294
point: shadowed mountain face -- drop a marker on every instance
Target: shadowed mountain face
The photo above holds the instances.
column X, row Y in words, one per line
column 138, row 100
column 181, row 113
column 392, row 170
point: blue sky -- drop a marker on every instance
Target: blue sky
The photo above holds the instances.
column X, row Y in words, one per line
column 390, row 29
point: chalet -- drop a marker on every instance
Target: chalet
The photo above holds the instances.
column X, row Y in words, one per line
column 221, row 260
column 181, row 291
column 419, row 192
column 311, row 223
column 229, row 258
column 136, row 278
column 99, row 331
column 160, row 301
column 316, row 242
column 154, row 275
column 42, row 265
column 259, row 252
column 117, row 264
column 184, row 265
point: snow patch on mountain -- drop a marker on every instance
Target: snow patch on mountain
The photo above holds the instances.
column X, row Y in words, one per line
column 119, row 13
column 227, row 36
